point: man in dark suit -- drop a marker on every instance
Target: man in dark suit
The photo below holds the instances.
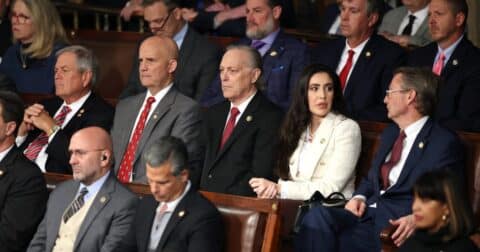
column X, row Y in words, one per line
column 160, row 111
column 239, row 134
column 47, row 126
column 23, row 193
column 363, row 60
column 92, row 212
column 284, row 57
column 412, row 146
column 456, row 60
column 197, row 60
column 175, row 217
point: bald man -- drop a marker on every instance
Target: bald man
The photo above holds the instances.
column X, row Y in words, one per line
column 93, row 211
column 160, row 111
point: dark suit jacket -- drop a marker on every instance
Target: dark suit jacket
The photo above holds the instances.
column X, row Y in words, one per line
column 197, row 66
column 457, row 105
column 23, row 198
column 434, row 148
column 104, row 226
column 195, row 225
column 5, row 34
column 282, row 65
column 370, row 76
column 329, row 15
column 248, row 151
column 94, row 112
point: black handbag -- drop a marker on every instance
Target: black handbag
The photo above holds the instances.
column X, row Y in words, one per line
column 335, row 199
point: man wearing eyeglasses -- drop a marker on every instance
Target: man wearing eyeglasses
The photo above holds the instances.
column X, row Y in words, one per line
column 198, row 58
column 47, row 126
column 93, row 211
column 409, row 147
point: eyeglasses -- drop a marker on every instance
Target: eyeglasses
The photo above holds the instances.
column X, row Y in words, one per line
column 391, row 91
column 19, row 18
column 81, row 153
column 161, row 21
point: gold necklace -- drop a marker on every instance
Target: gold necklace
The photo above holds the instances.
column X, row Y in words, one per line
column 23, row 58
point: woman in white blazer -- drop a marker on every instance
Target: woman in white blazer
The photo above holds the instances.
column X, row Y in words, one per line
column 318, row 146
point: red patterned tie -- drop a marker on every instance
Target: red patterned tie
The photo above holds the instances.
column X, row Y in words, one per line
column 127, row 161
column 394, row 158
column 31, row 152
column 230, row 125
column 346, row 69
column 438, row 66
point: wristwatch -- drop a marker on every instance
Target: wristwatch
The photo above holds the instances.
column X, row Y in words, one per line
column 54, row 129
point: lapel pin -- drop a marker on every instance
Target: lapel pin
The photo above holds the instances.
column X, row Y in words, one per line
column 181, row 214
column 273, row 53
column 455, row 62
column 249, row 118
column 421, row 145
column 155, row 116
column 368, row 54
column 322, row 141
column 1, row 172
column 103, row 199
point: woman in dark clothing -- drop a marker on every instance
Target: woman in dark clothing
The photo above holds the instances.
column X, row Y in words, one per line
column 443, row 216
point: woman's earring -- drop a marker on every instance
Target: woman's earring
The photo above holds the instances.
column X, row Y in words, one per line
column 444, row 217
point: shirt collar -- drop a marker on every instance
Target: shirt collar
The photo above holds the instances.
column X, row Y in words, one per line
column 420, row 14
column 94, row 187
column 173, row 204
column 160, row 94
column 357, row 49
column 449, row 50
column 413, row 129
column 180, row 36
column 76, row 105
column 242, row 106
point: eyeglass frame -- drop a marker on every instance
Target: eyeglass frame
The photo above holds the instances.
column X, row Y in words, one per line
column 164, row 21
column 81, row 153
column 401, row 90
column 19, row 17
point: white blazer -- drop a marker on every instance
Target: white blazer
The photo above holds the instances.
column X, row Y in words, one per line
column 337, row 144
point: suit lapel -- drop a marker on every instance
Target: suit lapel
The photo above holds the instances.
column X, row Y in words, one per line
column 78, row 117
column 129, row 122
column 184, row 54
column 387, row 142
column 147, row 223
column 270, row 59
column 361, row 66
column 99, row 202
column 455, row 60
column 218, row 128
column 178, row 214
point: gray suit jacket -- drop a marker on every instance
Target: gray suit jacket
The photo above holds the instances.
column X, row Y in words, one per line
column 104, row 226
column 175, row 115
column 391, row 22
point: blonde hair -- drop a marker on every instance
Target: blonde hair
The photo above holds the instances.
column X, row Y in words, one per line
column 47, row 28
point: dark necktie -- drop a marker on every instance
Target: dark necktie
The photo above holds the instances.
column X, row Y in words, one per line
column 346, row 69
column 408, row 29
column 230, row 125
column 75, row 205
column 31, row 152
column 257, row 44
column 394, row 158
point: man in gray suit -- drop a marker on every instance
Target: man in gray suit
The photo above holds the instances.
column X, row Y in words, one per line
column 160, row 111
column 408, row 24
column 93, row 211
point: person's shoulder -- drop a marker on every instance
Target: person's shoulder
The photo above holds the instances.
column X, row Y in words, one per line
column 386, row 45
column 202, row 43
column 28, row 169
column 183, row 100
column 201, row 204
column 343, row 122
column 290, row 42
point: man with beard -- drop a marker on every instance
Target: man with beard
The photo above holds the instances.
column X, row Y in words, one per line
column 283, row 56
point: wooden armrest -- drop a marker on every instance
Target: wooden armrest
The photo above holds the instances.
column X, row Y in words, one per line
column 386, row 239
column 476, row 239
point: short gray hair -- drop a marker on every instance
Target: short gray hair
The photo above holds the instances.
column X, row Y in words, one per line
column 425, row 84
column 86, row 60
column 167, row 149
column 254, row 58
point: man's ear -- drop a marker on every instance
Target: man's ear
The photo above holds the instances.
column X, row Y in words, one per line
column 373, row 19
column 86, row 78
column 172, row 66
column 460, row 19
column 256, row 72
column 10, row 128
column 184, row 175
column 277, row 12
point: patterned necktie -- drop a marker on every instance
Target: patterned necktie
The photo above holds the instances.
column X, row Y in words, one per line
column 156, row 232
column 127, row 161
column 31, row 152
column 75, row 205
column 346, row 69
column 408, row 29
column 438, row 66
column 257, row 44
column 394, row 158
column 230, row 126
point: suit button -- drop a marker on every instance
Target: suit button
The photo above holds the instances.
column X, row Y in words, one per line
column 209, row 176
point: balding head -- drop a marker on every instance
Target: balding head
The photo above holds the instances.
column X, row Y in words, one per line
column 157, row 62
column 91, row 154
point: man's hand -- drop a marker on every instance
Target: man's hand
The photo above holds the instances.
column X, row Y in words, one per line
column 356, row 206
column 43, row 121
column 217, row 7
column 264, row 188
column 405, row 227
column 133, row 7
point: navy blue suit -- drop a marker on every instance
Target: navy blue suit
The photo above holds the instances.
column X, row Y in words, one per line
column 457, row 106
column 370, row 76
column 434, row 148
column 282, row 65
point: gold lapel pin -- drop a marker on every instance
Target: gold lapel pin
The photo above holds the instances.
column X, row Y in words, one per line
column 1, row 172
column 421, row 145
column 455, row 62
column 103, row 199
column 80, row 113
column 181, row 214
column 273, row 53
column 368, row 54
column 155, row 116
column 322, row 141
column 249, row 118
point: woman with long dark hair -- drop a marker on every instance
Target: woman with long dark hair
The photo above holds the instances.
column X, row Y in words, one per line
column 318, row 146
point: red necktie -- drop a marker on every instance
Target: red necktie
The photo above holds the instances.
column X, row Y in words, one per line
column 31, row 152
column 438, row 66
column 394, row 158
column 346, row 69
column 127, row 161
column 230, row 125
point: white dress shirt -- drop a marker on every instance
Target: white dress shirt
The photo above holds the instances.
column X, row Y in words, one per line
column 343, row 60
